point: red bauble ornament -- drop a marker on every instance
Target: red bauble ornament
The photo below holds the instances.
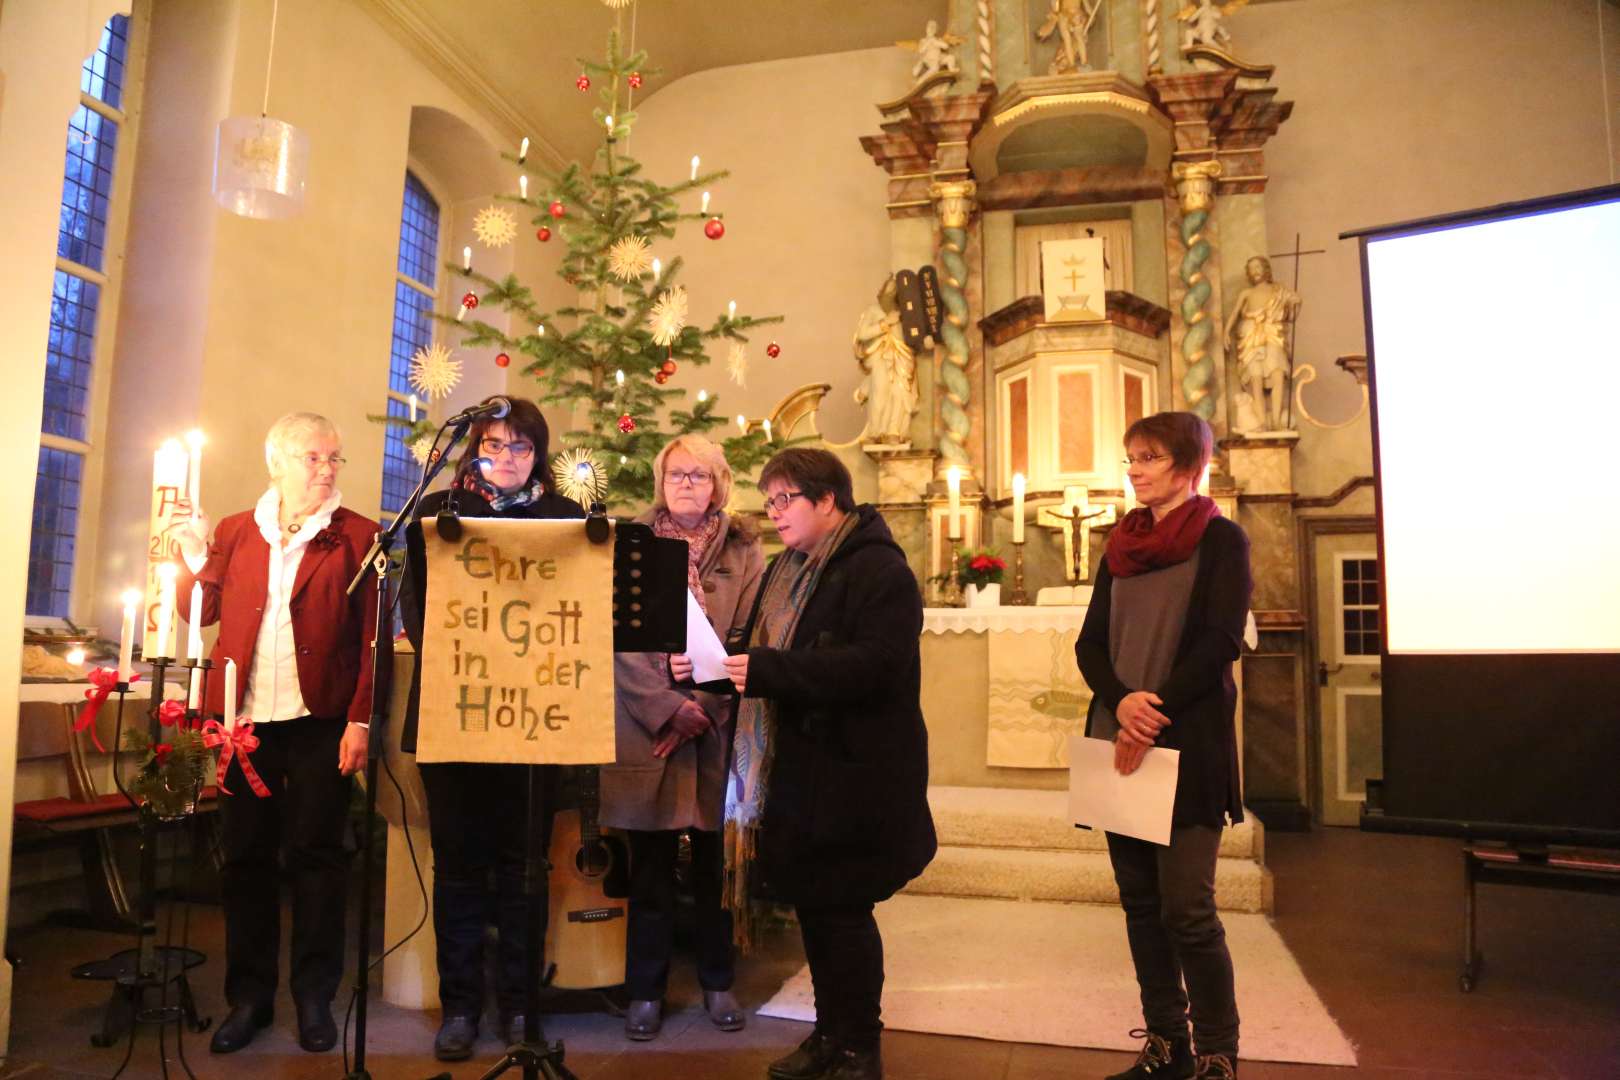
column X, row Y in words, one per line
column 542, row 234
column 714, row 228
column 667, row 367
column 773, row 350
column 469, row 301
column 501, row 360
column 627, row 423
column 583, row 82
column 660, row 377
column 556, row 208
column 634, row 80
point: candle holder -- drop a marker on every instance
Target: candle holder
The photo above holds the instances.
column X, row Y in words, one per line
column 1017, row 596
column 149, row 968
column 951, row 595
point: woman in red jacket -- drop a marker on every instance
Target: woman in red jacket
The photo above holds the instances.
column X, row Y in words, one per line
column 274, row 579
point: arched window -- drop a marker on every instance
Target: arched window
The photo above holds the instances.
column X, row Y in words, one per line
column 415, row 298
column 80, row 294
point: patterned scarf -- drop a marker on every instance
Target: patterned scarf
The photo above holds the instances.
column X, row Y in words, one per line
column 523, row 496
column 787, row 594
column 698, row 543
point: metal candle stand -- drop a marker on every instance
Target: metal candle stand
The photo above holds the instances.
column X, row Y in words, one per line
column 951, row 595
column 148, row 966
column 1017, row 596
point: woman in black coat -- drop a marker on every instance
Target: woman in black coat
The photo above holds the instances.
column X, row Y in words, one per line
column 476, row 812
column 1163, row 629
column 828, row 800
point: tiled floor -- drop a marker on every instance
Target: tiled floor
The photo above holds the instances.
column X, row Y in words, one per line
column 1373, row 920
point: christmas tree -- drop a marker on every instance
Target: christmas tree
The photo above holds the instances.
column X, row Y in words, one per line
column 609, row 357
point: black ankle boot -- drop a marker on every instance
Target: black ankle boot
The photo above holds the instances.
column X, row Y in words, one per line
column 1160, row 1059
column 854, row 1065
column 1216, row 1067
column 808, row 1062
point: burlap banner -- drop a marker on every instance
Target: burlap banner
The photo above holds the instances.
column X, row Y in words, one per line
column 517, row 645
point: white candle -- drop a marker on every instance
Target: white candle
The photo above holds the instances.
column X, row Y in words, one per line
column 658, row 267
column 194, row 624
column 540, row 330
column 1018, row 508
column 523, row 149
column 703, row 395
column 165, row 620
column 607, row 122
column 618, row 377
column 230, row 693
column 194, row 692
column 767, row 424
column 126, row 640
column 731, row 310
column 194, row 441
column 705, row 202
column 523, row 185
column 466, row 258
column 694, row 166
column 953, row 485
column 413, row 408
column 742, row 423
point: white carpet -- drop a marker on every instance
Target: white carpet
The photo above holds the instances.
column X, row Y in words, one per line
column 1061, row 974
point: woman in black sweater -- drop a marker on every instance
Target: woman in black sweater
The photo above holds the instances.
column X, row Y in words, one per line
column 1164, row 626
column 476, row 820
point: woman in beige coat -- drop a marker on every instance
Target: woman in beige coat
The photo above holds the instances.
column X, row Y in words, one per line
column 674, row 740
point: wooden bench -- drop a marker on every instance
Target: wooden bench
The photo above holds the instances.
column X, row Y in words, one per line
column 86, row 815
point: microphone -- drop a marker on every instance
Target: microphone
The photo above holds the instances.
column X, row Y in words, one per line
column 495, row 408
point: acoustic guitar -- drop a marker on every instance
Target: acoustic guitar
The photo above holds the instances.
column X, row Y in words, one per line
column 585, row 935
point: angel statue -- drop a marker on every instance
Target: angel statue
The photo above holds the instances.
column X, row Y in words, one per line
column 936, row 53
column 889, row 390
column 1203, row 19
column 1071, row 20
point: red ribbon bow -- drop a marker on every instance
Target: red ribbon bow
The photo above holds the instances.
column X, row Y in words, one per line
column 103, row 681
column 231, row 741
column 172, row 713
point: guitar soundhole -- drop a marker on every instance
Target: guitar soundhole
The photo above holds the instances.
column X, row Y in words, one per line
column 593, row 860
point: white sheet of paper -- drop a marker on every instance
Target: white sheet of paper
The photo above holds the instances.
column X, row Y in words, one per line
column 703, row 646
column 1137, row 805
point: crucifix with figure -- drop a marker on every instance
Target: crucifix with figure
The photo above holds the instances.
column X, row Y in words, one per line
column 1077, row 515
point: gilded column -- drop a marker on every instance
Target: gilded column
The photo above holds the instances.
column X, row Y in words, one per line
column 953, row 203
column 1195, row 189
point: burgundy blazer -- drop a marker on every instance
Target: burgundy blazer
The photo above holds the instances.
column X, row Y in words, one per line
column 333, row 632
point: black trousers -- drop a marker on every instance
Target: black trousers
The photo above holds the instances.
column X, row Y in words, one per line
column 845, row 953
column 1169, row 898
column 652, row 912
column 477, row 825
column 308, row 812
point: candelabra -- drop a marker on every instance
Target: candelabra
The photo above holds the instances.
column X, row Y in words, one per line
column 1017, row 595
column 951, row 595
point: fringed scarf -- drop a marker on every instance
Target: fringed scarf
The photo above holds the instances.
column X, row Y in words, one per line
column 787, row 594
column 523, row 496
column 698, row 543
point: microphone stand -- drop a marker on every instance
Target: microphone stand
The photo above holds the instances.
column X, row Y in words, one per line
column 376, row 562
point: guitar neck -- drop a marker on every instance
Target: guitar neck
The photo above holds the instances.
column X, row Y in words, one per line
column 590, row 799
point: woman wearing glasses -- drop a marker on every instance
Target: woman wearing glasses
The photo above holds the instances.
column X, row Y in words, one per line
column 673, row 742
column 274, row 579
column 828, row 798
column 476, row 819
column 1164, row 626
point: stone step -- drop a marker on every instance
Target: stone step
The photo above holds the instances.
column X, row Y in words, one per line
column 1068, row 876
column 1038, row 820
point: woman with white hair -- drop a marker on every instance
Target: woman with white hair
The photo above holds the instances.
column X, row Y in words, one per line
column 274, row 579
column 674, row 740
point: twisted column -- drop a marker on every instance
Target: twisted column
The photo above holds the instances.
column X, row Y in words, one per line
column 1195, row 188
column 953, row 203
column 1150, row 29
column 987, row 57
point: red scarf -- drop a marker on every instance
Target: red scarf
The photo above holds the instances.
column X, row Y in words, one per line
column 1138, row 544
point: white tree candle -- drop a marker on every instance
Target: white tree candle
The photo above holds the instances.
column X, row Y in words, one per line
column 126, row 640
column 230, row 693
column 194, row 624
column 695, row 160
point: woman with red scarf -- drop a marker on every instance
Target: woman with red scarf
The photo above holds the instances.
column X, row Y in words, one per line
column 1164, row 626
column 476, row 813
column 674, row 740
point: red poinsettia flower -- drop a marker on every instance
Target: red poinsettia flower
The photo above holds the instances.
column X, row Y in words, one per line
column 161, row 752
column 982, row 562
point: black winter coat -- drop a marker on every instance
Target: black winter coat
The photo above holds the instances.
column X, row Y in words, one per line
column 1199, row 695
column 414, row 582
column 846, row 813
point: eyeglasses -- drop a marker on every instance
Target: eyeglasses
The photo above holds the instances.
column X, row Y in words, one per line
column 1144, row 460
column 779, row 502
column 315, row 461
column 696, row 477
column 493, row 447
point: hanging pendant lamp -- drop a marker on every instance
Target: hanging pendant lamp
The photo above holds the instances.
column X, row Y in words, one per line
column 260, row 163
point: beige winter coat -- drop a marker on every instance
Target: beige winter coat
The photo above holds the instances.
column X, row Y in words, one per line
column 686, row 789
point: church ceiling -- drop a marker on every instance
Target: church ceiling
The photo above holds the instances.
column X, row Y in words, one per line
column 518, row 58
